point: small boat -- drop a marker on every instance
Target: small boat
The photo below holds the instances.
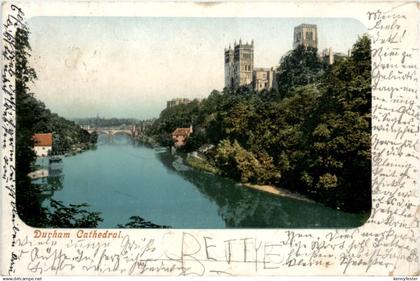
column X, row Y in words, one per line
column 38, row 174
column 160, row 149
column 55, row 158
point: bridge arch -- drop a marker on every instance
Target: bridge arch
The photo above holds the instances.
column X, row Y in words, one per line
column 110, row 132
column 103, row 132
column 121, row 132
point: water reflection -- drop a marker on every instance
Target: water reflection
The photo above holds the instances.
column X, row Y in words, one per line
column 118, row 139
column 55, row 179
column 245, row 208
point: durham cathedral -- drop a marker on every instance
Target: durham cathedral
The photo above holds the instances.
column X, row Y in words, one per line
column 239, row 61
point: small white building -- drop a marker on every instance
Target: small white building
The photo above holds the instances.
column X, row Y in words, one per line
column 42, row 144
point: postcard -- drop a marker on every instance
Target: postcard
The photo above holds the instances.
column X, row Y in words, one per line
column 209, row 138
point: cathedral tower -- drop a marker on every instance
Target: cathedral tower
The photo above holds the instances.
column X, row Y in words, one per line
column 229, row 68
column 239, row 65
column 306, row 35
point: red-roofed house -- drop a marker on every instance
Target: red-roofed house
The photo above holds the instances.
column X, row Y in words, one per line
column 180, row 135
column 42, row 144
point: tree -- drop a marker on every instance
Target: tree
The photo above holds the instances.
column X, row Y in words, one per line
column 27, row 115
column 339, row 137
column 139, row 222
column 74, row 215
column 238, row 163
column 300, row 67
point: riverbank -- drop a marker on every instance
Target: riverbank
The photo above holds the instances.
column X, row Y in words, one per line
column 148, row 141
column 76, row 149
column 200, row 164
column 199, row 160
column 277, row 191
column 203, row 164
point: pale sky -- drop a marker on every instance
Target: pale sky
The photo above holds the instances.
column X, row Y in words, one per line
column 130, row 67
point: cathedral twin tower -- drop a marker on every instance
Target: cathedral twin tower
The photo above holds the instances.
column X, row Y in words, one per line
column 239, row 65
column 240, row 70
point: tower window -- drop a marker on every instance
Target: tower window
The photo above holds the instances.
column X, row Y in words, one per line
column 246, row 56
column 309, row 35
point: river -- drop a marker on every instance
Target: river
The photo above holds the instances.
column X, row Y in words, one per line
column 120, row 179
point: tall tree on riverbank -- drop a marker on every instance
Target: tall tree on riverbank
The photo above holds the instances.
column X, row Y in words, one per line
column 28, row 113
column 339, row 165
column 32, row 117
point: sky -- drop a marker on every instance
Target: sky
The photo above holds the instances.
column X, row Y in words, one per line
column 129, row 67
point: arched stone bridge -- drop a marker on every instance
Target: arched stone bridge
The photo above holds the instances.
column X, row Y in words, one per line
column 110, row 132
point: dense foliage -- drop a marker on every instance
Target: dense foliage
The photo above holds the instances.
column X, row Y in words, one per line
column 300, row 67
column 33, row 117
column 311, row 136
